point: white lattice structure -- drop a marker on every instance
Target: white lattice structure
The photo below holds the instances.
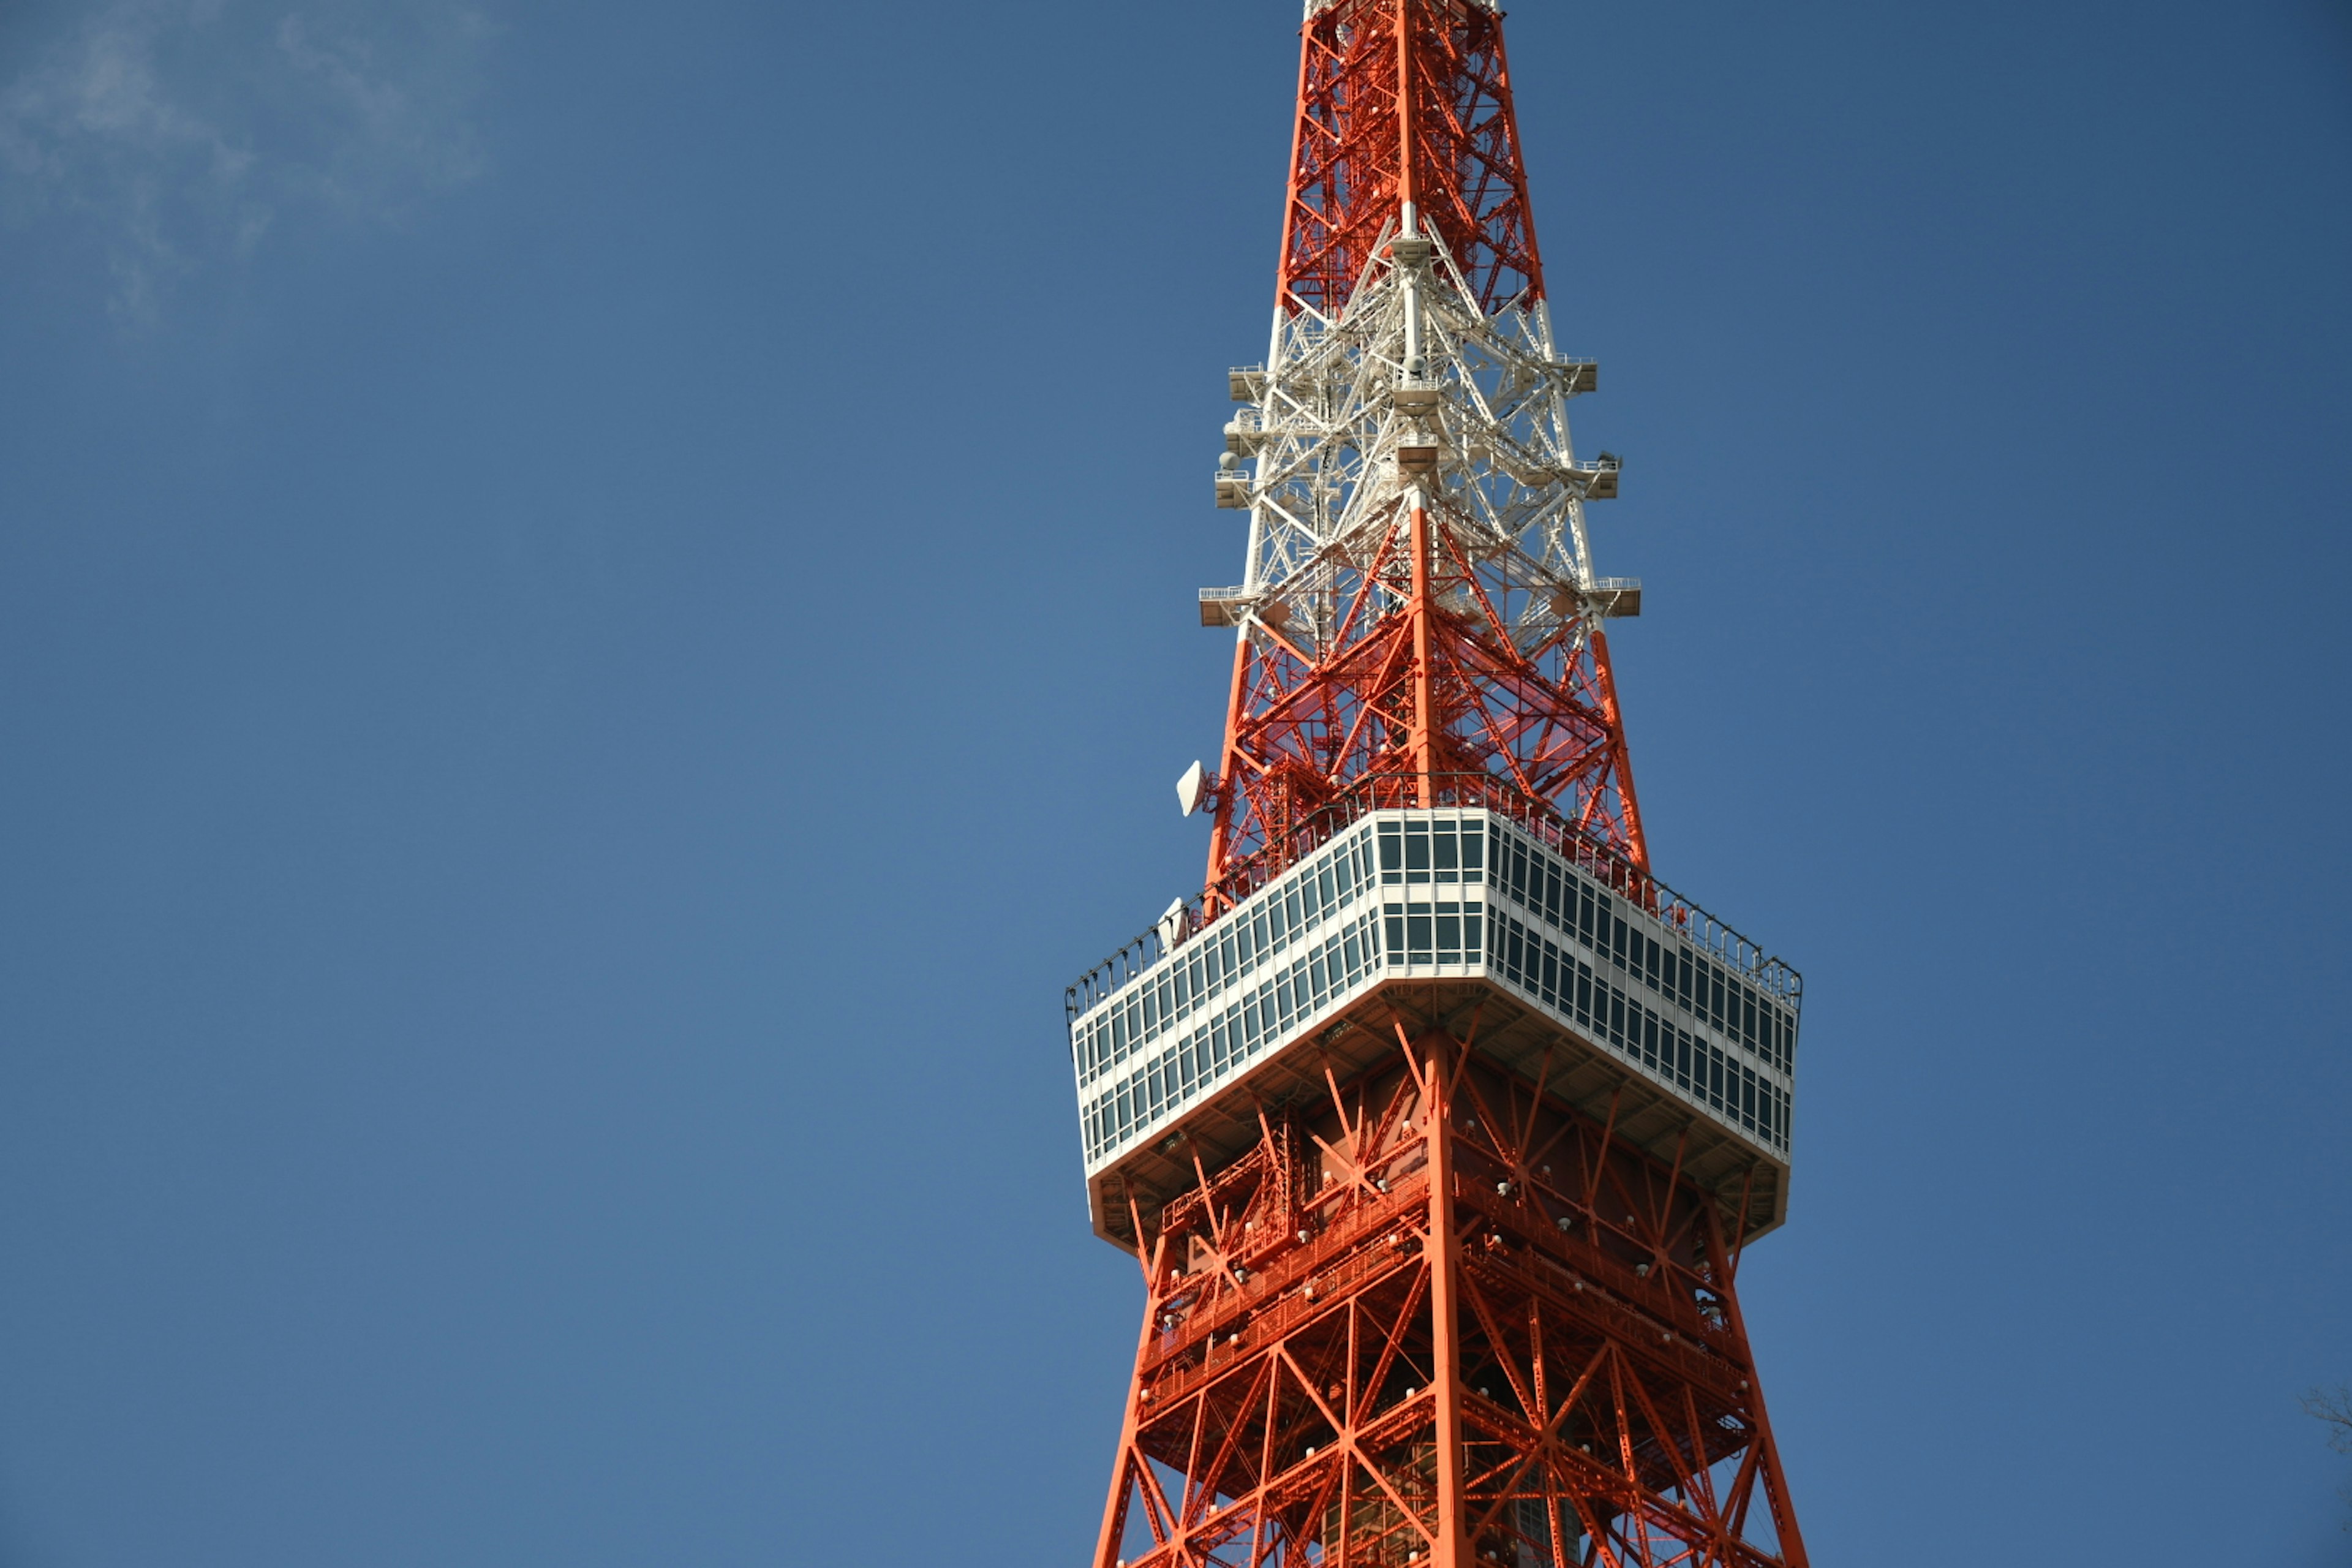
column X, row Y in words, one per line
column 1413, row 386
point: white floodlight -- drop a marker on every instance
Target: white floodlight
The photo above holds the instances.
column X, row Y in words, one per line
column 1191, row 788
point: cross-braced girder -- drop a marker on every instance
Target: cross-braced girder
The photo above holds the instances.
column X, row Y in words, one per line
column 1333, row 697
column 1442, row 1317
column 1419, row 602
column 1455, row 148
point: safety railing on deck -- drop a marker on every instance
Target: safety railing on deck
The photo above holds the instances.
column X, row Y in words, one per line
column 1478, row 791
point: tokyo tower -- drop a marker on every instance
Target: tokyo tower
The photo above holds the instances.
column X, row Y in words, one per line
column 1438, row 1124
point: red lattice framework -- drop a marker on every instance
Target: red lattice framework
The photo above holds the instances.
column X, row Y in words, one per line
column 1417, row 694
column 1456, row 153
column 1444, row 1319
column 1424, row 699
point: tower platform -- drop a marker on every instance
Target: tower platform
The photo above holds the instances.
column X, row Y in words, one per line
column 1610, row 992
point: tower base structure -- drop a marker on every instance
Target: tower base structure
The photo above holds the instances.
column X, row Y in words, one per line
column 1440, row 1315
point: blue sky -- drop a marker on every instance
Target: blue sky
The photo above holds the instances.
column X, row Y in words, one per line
column 595, row 616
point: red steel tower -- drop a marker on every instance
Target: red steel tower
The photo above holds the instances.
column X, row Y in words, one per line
column 1437, row 1123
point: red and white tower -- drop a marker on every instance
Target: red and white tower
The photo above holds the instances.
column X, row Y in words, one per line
column 1438, row 1124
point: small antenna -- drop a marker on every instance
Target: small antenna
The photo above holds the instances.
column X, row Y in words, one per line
column 1191, row 788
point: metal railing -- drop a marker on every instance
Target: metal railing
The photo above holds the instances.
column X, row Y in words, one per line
column 1475, row 791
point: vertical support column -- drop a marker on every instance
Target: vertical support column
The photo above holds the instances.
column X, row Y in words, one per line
column 1229, row 768
column 1776, row 1481
column 1114, row 1524
column 1424, row 717
column 1637, row 846
column 1407, row 195
column 1450, row 1550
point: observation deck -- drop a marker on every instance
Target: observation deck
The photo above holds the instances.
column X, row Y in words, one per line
column 1618, row 994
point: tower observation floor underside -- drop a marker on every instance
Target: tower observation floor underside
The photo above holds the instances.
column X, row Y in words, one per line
column 1643, row 1012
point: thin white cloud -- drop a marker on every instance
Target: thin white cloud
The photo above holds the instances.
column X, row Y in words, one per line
column 175, row 136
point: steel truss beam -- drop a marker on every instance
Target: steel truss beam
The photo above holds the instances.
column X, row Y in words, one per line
column 1457, row 151
column 1441, row 1318
column 1420, row 602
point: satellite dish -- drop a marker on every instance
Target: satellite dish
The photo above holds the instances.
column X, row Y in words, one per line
column 1190, row 788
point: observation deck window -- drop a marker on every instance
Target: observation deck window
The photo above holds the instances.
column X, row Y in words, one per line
column 1635, row 968
column 1418, row 851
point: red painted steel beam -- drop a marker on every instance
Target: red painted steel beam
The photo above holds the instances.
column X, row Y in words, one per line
column 1454, row 150
column 1443, row 1320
